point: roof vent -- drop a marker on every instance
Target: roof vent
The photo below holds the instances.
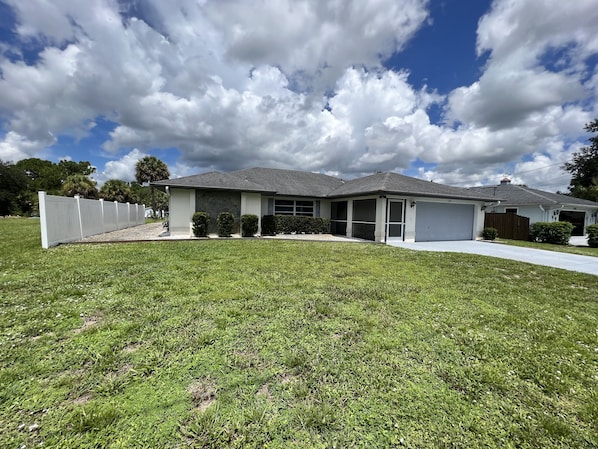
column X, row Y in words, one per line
column 505, row 181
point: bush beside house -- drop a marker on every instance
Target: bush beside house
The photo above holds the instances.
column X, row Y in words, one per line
column 592, row 232
column 490, row 233
column 225, row 223
column 268, row 225
column 289, row 224
column 249, row 225
column 558, row 232
column 200, row 221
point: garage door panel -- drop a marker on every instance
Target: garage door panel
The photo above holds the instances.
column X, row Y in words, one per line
column 443, row 221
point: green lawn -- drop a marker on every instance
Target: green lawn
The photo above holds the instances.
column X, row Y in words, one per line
column 582, row 250
column 255, row 343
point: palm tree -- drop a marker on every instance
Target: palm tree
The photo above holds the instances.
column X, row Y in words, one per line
column 150, row 169
column 117, row 190
column 80, row 185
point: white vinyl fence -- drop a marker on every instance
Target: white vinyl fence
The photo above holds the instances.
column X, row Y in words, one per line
column 65, row 219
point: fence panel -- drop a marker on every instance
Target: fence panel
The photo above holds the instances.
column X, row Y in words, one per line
column 123, row 215
column 509, row 226
column 110, row 221
column 91, row 217
column 65, row 219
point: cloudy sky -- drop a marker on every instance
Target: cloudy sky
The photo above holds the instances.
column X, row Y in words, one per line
column 460, row 92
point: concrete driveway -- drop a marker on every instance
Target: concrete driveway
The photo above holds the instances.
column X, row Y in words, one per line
column 571, row 262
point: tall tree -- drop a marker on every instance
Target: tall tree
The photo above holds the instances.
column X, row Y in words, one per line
column 584, row 168
column 80, row 185
column 13, row 182
column 117, row 190
column 150, row 169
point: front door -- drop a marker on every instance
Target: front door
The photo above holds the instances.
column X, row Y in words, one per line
column 395, row 222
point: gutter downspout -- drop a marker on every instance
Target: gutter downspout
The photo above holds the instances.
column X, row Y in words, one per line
column 544, row 218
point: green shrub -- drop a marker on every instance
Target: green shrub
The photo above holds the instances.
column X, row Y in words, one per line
column 288, row 224
column 592, row 232
column 489, row 233
column 225, row 223
column 200, row 220
column 268, row 225
column 249, row 225
column 558, row 232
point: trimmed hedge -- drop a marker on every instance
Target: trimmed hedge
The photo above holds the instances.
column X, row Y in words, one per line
column 268, row 225
column 558, row 232
column 225, row 223
column 249, row 225
column 592, row 232
column 490, row 233
column 288, row 224
column 200, row 221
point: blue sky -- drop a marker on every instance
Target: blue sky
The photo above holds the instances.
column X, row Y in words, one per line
column 460, row 92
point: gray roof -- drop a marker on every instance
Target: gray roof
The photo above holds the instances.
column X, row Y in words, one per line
column 213, row 180
column 264, row 180
column 292, row 182
column 517, row 195
column 393, row 183
column 299, row 183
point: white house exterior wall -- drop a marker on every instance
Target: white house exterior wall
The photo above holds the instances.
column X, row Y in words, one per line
column 325, row 209
column 181, row 207
column 251, row 203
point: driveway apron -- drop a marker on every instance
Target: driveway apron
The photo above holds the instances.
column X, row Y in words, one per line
column 571, row 262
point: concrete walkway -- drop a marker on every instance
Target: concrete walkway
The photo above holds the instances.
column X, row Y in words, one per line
column 571, row 262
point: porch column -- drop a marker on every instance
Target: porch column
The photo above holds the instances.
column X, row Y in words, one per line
column 349, row 218
column 380, row 229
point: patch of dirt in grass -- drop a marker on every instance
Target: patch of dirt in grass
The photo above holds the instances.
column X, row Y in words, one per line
column 124, row 369
column 265, row 392
column 287, row 379
column 133, row 347
column 88, row 322
column 203, row 393
column 83, row 399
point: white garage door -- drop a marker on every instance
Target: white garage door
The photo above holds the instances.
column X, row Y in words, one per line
column 443, row 221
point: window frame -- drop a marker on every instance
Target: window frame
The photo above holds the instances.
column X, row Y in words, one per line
column 294, row 207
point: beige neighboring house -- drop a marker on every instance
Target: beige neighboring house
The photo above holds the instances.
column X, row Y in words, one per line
column 539, row 205
column 380, row 207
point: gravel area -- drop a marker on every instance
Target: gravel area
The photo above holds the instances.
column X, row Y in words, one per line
column 156, row 231
column 151, row 231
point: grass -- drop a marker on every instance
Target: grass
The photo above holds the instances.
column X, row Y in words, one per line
column 582, row 250
column 254, row 343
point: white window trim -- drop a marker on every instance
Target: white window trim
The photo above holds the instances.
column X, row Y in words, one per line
column 295, row 207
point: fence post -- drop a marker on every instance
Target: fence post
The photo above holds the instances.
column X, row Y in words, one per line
column 117, row 221
column 43, row 219
column 102, row 213
column 128, row 214
column 78, row 199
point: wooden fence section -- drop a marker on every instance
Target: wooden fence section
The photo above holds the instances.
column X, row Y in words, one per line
column 65, row 219
column 509, row 226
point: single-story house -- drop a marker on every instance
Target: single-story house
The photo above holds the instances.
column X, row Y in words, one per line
column 538, row 205
column 379, row 207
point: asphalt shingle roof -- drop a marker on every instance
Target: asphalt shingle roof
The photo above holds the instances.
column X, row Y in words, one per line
column 299, row 183
column 291, row 182
column 517, row 195
column 214, row 180
column 403, row 185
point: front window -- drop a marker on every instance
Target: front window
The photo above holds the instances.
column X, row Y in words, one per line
column 294, row 207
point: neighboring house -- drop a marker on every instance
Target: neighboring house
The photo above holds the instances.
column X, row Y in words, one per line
column 378, row 207
column 538, row 205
